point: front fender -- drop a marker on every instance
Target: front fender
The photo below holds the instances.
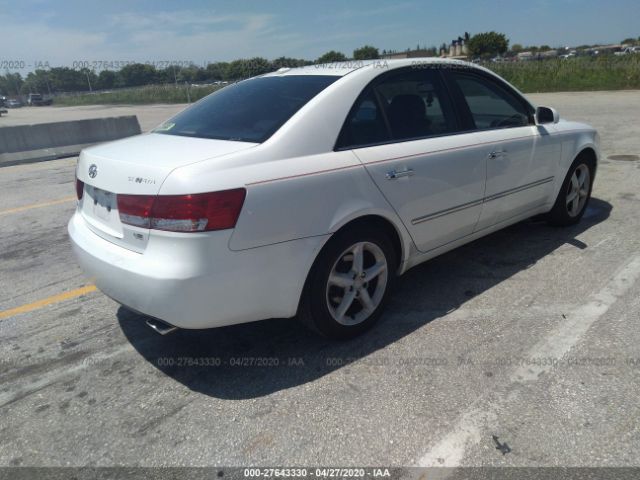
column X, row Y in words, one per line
column 575, row 138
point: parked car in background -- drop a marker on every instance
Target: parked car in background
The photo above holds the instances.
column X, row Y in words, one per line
column 571, row 54
column 37, row 100
column 308, row 191
column 628, row 51
column 13, row 103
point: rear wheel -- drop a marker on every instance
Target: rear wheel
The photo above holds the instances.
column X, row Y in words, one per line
column 349, row 284
column 574, row 194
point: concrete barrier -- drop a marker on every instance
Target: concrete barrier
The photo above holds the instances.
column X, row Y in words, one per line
column 48, row 141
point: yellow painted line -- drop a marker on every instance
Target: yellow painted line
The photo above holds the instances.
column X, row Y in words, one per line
column 37, row 205
column 61, row 297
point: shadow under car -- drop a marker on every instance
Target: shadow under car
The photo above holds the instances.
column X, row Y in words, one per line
column 259, row 358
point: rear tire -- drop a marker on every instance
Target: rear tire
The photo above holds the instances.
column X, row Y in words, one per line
column 574, row 194
column 349, row 283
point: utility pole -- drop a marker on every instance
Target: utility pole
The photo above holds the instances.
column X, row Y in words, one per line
column 88, row 81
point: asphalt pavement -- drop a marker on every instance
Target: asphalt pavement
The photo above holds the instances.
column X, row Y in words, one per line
column 519, row 349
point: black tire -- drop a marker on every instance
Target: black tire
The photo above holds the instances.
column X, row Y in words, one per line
column 314, row 308
column 560, row 215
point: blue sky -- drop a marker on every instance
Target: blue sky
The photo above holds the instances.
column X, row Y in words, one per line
column 63, row 31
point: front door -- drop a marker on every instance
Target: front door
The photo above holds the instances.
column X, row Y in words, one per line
column 520, row 156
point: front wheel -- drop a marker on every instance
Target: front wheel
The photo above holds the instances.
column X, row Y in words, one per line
column 574, row 194
column 349, row 283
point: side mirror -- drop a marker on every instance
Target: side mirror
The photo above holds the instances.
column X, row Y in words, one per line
column 546, row 115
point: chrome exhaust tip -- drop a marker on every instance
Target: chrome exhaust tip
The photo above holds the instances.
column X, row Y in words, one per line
column 160, row 327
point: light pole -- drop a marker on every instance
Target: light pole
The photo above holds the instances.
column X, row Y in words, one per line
column 86, row 72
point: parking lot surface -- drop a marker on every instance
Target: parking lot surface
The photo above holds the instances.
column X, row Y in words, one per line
column 529, row 335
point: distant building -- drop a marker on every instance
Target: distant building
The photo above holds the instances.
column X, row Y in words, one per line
column 408, row 54
column 457, row 48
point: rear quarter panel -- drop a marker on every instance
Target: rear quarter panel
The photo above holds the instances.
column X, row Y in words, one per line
column 290, row 198
column 310, row 204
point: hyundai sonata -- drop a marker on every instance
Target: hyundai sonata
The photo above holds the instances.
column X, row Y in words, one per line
column 308, row 191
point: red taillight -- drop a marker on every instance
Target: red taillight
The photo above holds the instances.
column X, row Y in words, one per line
column 136, row 209
column 79, row 188
column 183, row 213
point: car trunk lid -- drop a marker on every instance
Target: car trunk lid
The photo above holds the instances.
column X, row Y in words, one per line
column 136, row 166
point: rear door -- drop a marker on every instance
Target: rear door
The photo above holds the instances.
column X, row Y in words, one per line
column 405, row 131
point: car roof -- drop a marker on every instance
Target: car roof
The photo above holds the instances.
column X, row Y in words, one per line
column 371, row 68
column 340, row 69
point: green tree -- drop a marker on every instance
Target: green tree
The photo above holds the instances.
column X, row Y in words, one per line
column 366, row 53
column 191, row 74
column 11, row 83
column 488, row 44
column 517, row 48
column 245, row 68
column 287, row 62
column 37, row 82
column 218, row 71
column 106, row 79
column 137, row 74
column 331, row 56
column 630, row 41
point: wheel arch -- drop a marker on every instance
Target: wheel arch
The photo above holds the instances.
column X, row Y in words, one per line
column 582, row 143
column 400, row 240
column 589, row 152
column 393, row 227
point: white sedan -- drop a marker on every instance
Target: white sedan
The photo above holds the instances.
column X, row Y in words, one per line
column 308, row 191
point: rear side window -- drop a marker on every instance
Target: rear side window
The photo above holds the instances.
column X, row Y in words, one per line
column 410, row 104
column 414, row 103
column 490, row 105
column 248, row 111
column 365, row 125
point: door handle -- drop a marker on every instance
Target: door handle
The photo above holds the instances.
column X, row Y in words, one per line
column 497, row 153
column 393, row 174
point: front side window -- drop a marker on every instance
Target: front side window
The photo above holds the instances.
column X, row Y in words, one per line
column 407, row 105
column 248, row 111
column 490, row 105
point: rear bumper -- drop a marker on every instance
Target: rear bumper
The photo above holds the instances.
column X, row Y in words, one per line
column 195, row 280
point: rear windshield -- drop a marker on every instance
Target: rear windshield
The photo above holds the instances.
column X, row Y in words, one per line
column 248, row 111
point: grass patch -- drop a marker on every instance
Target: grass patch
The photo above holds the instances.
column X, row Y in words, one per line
column 140, row 95
column 572, row 74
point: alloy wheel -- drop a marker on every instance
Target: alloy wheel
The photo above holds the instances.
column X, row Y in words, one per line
column 578, row 190
column 357, row 283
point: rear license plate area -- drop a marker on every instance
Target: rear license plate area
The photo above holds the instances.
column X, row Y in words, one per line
column 104, row 204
